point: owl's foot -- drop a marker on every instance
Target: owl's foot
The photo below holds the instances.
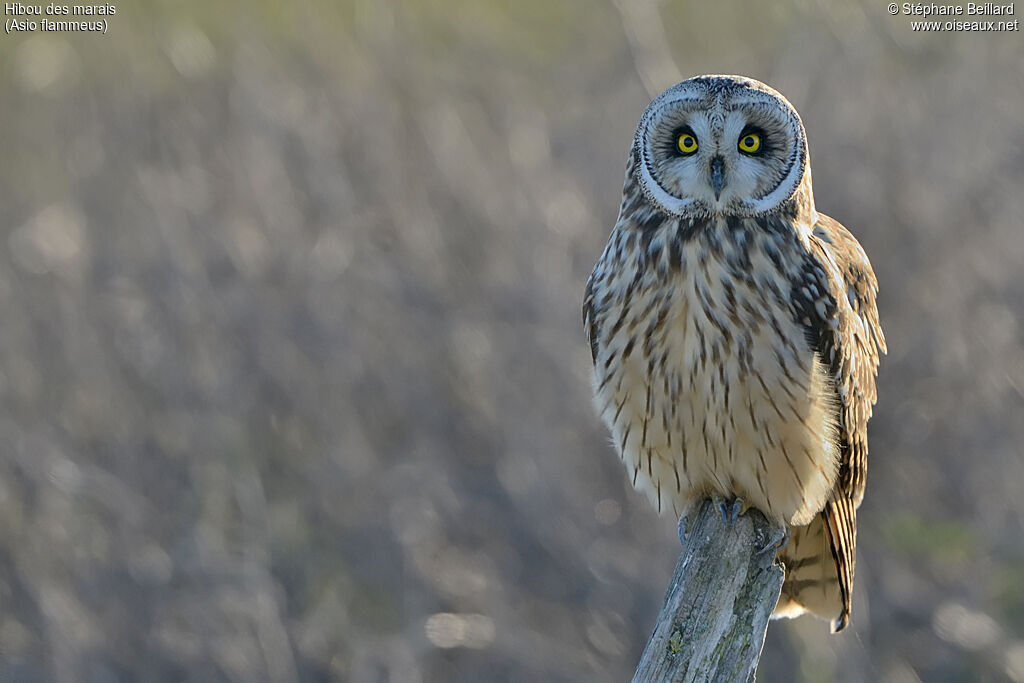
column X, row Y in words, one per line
column 686, row 527
column 777, row 540
column 731, row 509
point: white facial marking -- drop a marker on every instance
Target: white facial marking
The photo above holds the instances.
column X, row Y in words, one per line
column 682, row 185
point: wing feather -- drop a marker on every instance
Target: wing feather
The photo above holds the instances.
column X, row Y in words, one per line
column 836, row 302
column 851, row 343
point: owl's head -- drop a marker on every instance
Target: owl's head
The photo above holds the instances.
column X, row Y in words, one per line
column 724, row 145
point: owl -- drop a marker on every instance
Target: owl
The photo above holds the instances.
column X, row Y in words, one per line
column 734, row 331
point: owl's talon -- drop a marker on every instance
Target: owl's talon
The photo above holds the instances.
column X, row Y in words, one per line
column 730, row 508
column 723, row 508
column 685, row 528
column 738, row 508
column 777, row 540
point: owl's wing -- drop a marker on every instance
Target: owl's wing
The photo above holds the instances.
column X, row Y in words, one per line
column 850, row 342
column 836, row 303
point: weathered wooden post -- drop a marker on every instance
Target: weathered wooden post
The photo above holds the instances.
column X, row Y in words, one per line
column 716, row 611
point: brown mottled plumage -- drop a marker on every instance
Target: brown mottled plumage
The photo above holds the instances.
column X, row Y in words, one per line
column 734, row 331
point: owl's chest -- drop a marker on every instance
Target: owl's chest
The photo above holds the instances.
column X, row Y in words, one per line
column 706, row 379
column 703, row 314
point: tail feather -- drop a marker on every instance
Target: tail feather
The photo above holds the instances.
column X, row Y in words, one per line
column 819, row 560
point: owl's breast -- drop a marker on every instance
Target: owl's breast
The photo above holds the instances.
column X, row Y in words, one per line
column 703, row 374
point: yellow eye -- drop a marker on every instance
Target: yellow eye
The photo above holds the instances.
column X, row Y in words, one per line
column 686, row 143
column 750, row 143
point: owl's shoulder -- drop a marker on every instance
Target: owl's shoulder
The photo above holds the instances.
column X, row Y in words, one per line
column 837, row 245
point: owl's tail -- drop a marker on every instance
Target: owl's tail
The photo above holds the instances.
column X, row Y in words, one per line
column 819, row 561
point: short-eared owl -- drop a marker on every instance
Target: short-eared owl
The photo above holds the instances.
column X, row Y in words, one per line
column 734, row 331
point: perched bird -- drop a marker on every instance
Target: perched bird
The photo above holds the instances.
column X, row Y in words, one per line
column 734, row 330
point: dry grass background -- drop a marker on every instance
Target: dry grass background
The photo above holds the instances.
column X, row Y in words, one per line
column 292, row 376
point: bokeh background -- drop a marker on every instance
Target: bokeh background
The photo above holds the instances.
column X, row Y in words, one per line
column 293, row 383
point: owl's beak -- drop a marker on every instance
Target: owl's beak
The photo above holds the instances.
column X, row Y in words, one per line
column 717, row 176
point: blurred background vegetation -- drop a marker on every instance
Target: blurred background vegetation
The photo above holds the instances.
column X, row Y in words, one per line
column 293, row 380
